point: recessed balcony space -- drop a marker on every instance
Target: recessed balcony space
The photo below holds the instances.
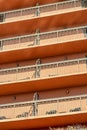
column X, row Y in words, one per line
column 4, row 6
column 46, row 38
column 64, row 111
column 43, row 71
column 43, row 10
column 51, row 75
column 58, row 42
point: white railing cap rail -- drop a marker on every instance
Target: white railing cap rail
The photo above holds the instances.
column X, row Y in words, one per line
column 43, row 33
column 39, row 6
column 42, row 65
column 44, row 100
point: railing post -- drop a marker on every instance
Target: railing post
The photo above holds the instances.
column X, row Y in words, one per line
column 57, row 105
column 1, row 45
column 74, row 3
column 67, row 106
column 37, row 10
column 37, row 40
column 38, row 67
column 80, row 103
column 57, row 36
column 86, row 62
column 17, row 74
column 19, row 41
column 57, row 69
column 78, row 66
column 36, row 108
column 4, row 16
column 77, row 31
column 35, row 104
column 1, row 17
column 85, row 32
column 56, row 6
column 14, row 112
column 21, row 12
column 84, row 3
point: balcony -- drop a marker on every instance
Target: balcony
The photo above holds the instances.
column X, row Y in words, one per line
column 47, row 19
column 27, row 78
column 68, row 109
column 43, row 10
column 28, row 3
column 69, row 127
column 34, row 45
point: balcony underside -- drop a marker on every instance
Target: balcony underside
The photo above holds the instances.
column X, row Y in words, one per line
column 44, row 51
column 44, row 23
column 41, row 122
column 43, row 84
column 22, row 4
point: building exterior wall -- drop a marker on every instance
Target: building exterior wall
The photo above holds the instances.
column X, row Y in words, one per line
column 50, row 103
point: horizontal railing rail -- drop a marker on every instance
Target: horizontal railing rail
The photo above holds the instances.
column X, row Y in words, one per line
column 45, row 100
column 43, row 65
column 40, row 71
column 30, row 35
column 40, row 6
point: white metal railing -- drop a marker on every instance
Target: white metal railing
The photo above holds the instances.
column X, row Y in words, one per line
column 75, row 126
column 52, row 37
column 47, row 70
column 39, row 10
column 44, row 107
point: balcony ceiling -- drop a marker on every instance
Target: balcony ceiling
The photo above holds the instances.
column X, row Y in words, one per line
column 44, row 23
column 43, row 122
column 63, row 81
column 15, row 4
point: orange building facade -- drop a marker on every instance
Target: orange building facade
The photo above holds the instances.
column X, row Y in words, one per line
column 43, row 65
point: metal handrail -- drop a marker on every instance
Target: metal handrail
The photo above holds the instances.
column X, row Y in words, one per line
column 39, row 6
column 43, row 100
column 42, row 65
column 58, row 31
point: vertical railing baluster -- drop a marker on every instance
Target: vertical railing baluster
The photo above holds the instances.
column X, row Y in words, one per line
column 19, row 41
column 78, row 62
column 74, row 3
column 80, row 103
column 37, row 39
column 4, row 17
column 84, row 31
column 77, row 32
column 83, row 4
column 21, row 12
column 37, row 10
column 57, row 35
column 36, row 108
column 17, row 74
column 56, row 6
column 14, row 111
column 1, row 45
column 57, row 105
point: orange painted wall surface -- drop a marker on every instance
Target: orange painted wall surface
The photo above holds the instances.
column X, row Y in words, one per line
column 9, row 5
column 73, row 91
column 43, row 60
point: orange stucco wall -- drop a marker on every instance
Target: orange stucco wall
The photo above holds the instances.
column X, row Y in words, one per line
column 43, row 60
column 73, row 91
column 9, row 5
